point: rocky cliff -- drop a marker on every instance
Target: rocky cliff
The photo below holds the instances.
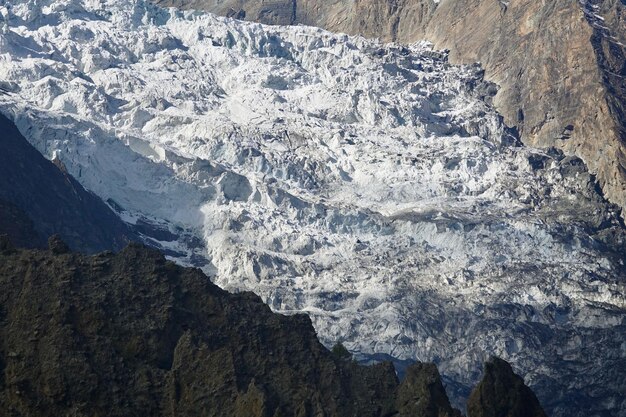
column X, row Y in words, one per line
column 132, row 334
column 38, row 199
column 502, row 393
column 560, row 64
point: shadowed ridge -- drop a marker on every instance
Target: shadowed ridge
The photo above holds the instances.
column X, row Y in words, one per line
column 132, row 334
column 502, row 393
column 421, row 393
column 39, row 199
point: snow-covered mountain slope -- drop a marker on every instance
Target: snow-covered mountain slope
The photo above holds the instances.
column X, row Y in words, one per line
column 372, row 186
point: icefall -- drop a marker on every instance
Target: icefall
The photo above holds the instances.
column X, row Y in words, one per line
column 370, row 185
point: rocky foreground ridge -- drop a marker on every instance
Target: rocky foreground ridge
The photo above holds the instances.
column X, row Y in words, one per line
column 560, row 64
column 133, row 334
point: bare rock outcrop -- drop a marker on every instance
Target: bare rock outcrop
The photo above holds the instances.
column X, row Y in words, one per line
column 131, row 334
column 502, row 393
column 560, row 67
column 422, row 393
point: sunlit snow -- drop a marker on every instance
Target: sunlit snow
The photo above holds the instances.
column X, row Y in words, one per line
column 372, row 186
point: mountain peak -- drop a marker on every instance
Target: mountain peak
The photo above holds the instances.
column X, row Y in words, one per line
column 503, row 393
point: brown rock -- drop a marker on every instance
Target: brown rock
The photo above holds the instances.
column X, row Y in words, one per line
column 141, row 336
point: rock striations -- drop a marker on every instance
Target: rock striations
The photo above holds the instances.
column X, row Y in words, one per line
column 131, row 334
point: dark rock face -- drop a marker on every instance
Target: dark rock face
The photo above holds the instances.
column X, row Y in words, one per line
column 560, row 64
column 131, row 334
column 14, row 222
column 57, row 246
column 502, row 393
column 38, row 199
column 422, row 393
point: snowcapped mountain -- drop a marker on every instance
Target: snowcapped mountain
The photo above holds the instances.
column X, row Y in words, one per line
column 370, row 185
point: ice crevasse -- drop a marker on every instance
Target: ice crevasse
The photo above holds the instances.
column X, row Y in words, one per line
column 372, row 186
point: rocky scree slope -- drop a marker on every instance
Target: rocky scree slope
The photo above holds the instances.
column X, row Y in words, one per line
column 370, row 185
column 561, row 65
column 38, row 199
column 132, row 334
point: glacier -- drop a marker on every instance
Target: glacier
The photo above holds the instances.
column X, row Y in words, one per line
column 372, row 186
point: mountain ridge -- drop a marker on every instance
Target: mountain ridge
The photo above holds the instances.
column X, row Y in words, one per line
column 38, row 199
column 132, row 334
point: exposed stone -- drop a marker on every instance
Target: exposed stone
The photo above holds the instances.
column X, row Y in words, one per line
column 133, row 334
column 57, row 246
column 502, row 393
column 5, row 244
column 421, row 393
